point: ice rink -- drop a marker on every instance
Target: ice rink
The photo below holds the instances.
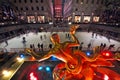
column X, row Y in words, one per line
column 35, row 38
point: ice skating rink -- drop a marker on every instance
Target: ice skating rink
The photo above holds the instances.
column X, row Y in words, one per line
column 35, row 38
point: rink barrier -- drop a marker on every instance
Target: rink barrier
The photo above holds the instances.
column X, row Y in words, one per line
column 46, row 49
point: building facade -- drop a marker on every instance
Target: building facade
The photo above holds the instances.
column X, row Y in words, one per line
column 42, row 11
column 33, row 11
column 67, row 10
column 84, row 10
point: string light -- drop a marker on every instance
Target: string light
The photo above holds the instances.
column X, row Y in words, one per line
column 106, row 77
column 32, row 76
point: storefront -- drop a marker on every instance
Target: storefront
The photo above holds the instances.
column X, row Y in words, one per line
column 77, row 19
column 41, row 19
column 86, row 19
column 96, row 19
column 69, row 19
column 31, row 19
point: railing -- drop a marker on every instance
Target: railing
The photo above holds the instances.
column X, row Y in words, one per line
column 44, row 50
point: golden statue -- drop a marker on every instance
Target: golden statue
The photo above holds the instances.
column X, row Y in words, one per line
column 75, row 62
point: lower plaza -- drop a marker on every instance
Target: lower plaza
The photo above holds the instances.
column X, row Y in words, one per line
column 59, row 39
column 21, row 65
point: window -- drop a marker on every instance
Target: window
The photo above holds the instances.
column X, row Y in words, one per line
column 32, row 8
column 69, row 18
column 76, row 9
column 77, row 1
column 14, row 1
column 21, row 8
column 37, row 8
column 19, row 1
column 87, row 1
column 41, row 1
column 25, row 1
column 77, row 19
column 82, row 1
column 102, row 1
column 41, row 19
column 92, row 2
column 31, row 19
column 97, row 2
column 16, row 8
column 31, row 1
column 42, row 8
column 36, row 1
column 95, row 19
column 26, row 8
column 86, row 19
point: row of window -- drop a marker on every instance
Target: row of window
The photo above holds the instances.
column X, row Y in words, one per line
column 84, row 19
column 32, row 8
column 77, row 1
column 92, row 1
column 25, row 1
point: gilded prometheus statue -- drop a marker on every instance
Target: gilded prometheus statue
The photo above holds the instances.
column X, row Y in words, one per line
column 75, row 64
